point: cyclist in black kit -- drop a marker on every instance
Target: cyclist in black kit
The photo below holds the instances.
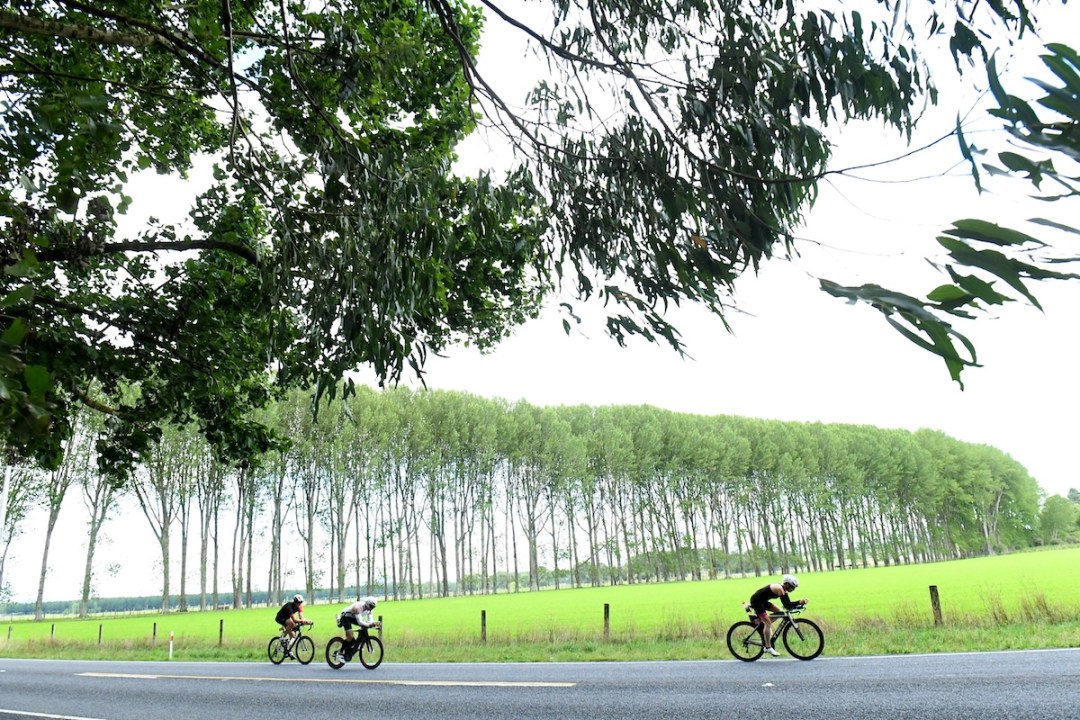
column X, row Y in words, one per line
column 291, row 614
column 761, row 602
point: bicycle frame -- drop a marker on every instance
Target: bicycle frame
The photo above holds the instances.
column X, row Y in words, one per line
column 294, row 637
column 361, row 636
column 784, row 616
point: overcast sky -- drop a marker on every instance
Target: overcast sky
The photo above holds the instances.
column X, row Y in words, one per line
column 795, row 354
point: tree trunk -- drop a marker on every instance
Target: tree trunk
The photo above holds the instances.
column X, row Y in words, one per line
column 88, row 570
column 39, row 607
column 163, row 541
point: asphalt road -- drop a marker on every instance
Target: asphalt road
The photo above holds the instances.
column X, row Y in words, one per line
column 1021, row 685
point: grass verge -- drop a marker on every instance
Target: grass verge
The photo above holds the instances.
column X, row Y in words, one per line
column 994, row 603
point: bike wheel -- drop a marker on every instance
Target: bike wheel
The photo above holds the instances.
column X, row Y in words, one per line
column 275, row 651
column 333, row 648
column 304, row 650
column 744, row 641
column 804, row 639
column 371, row 652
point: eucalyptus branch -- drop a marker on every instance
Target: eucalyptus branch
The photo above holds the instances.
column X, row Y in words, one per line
column 226, row 15
column 69, row 253
column 93, row 404
column 446, row 18
column 559, row 50
column 25, row 25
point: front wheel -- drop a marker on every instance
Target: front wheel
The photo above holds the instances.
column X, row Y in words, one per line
column 276, row 650
column 744, row 641
column 804, row 639
column 335, row 650
column 371, row 652
column 304, row 650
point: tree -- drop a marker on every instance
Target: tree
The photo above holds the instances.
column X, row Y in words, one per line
column 161, row 487
column 75, row 464
column 99, row 497
column 209, row 492
column 1059, row 519
column 19, row 488
column 673, row 147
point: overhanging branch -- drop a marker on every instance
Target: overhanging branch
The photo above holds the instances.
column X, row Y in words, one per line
column 25, row 25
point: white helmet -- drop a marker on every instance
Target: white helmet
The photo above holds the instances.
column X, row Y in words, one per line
column 790, row 580
column 298, row 598
column 370, row 602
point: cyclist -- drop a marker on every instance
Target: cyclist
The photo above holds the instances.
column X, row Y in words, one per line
column 761, row 603
column 291, row 614
column 359, row 614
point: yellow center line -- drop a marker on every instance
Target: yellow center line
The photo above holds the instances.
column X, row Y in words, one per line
column 373, row 681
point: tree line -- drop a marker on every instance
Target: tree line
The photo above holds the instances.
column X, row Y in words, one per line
column 418, row 493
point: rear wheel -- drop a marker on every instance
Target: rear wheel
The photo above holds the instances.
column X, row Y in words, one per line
column 276, row 651
column 371, row 652
column 334, row 651
column 304, row 650
column 804, row 639
column 744, row 641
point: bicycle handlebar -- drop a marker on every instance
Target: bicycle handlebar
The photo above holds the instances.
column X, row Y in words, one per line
column 787, row 611
column 300, row 625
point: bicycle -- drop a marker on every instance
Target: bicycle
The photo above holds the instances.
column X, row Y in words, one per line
column 300, row 646
column 803, row 639
column 367, row 647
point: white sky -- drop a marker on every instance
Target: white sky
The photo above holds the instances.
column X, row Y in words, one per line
column 796, row 353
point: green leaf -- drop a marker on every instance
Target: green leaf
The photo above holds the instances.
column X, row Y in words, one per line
column 988, row 232
column 979, row 288
column 947, row 293
column 1054, row 224
column 38, row 380
column 15, row 332
column 968, row 152
column 21, row 294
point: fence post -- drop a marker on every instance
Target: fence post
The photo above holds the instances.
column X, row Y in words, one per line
column 607, row 622
column 52, row 632
column 221, row 632
column 935, row 603
column 483, row 626
column 153, row 637
column 9, row 632
column 99, row 629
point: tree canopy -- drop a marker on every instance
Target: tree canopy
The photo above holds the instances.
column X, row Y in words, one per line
column 674, row 146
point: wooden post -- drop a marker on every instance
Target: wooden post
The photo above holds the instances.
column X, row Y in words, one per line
column 483, row 626
column 8, row 632
column 221, row 632
column 935, row 603
column 99, row 629
column 153, row 637
column 607, row 622
column 52, row 632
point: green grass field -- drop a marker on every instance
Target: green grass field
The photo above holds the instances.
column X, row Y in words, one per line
column 1013, row 601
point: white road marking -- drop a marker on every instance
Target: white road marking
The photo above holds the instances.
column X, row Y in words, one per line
column 366, row 681
column 47, row 716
